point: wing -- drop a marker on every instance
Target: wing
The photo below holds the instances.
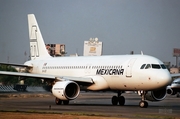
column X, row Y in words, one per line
column 175, row 75
column 11, row 64
column 45, row 76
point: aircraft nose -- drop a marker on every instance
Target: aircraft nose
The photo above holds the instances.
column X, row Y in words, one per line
column 165, row 78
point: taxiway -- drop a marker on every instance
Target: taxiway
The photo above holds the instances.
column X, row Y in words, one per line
column 90, row 103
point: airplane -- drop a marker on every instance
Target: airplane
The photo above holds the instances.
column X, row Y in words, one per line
column 117, row 73
column 174, row 88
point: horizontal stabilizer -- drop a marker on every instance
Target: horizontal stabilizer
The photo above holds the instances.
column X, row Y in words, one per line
column 13, row 64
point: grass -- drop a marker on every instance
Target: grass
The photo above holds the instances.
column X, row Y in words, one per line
column 16, row 114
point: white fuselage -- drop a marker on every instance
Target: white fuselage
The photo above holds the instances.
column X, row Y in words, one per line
column 121, row 72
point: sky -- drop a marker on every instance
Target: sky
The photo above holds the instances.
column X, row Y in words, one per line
column 151, row 26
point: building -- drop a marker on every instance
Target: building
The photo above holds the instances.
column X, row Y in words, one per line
column 92, row 47
column 56, row 49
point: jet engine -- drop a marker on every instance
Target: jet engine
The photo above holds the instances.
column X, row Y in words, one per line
column 66, row 90
column 156, row 95
column 171, row 91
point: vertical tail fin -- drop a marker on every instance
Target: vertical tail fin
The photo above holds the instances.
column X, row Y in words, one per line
column 37, row 46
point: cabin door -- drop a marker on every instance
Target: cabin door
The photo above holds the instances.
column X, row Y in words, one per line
column 129, row 67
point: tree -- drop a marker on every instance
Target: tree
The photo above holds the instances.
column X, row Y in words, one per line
column 8, row 80
column 33, row 81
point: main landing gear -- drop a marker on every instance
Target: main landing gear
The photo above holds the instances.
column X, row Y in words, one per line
column 118, row 99
column 143, row 103
column 121, row 100
column 59, row 102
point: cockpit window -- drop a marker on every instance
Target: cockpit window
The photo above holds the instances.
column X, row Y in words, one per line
column 148, row 66
column 142, row 67
column 156, row 66
column 163, row 66
column 153, row 66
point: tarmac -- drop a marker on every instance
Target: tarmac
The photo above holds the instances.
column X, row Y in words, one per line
column 89, row 103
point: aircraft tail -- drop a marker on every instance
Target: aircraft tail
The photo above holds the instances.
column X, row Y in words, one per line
column 37, row 45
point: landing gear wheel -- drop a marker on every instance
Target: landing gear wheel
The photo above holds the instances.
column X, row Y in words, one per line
column 114, row 100
column 121, row 100
column 58, row 101
column 66, row 102
column 143, row 104
column 178, row 95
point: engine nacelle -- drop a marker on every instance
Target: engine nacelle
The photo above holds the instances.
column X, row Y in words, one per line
column 66, row 90
column 156, row 95
column 171, row 91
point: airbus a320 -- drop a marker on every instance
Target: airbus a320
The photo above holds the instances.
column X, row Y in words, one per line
column 117, row 73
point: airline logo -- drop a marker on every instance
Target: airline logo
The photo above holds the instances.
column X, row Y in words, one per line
column 109, row 71
column 44, row 64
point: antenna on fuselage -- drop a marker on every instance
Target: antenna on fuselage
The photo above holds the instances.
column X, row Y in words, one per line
column 142, row 53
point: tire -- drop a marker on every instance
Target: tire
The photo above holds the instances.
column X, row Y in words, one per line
column 65, row 102
column 114, row 100
column 143, row 104
column 58, row 101
column 121, row 100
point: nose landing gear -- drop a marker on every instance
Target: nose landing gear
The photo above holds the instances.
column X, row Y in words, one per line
column 143, row 103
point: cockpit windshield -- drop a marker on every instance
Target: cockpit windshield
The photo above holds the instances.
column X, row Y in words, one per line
column 153, row 66
column 142, row 67
column 148, row 66
column 156, row 66
column 163, row 66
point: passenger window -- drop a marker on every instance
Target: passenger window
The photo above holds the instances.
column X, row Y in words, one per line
column 142, row 67
column 148, row 66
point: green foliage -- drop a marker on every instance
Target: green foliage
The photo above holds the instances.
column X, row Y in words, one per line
column 8, row 80
column 11, row 80
column 33, row 82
